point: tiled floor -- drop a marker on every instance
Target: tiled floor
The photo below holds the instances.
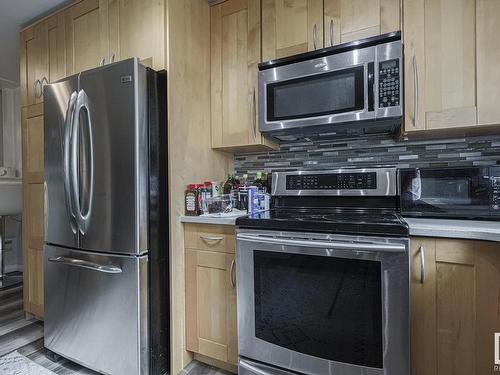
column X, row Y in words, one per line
column 26, row 336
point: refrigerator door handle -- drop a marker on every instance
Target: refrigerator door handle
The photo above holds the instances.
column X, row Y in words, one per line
column 82, row 218
column 74, row 262
column 68, row 133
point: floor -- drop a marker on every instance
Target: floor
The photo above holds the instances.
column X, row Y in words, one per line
column 26, row 336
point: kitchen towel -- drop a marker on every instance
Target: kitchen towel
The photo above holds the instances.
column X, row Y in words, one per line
column 17, row 364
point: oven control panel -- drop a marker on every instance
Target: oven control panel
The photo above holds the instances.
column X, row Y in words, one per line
column 339, row 181
column 495, row 190
column 388, row 83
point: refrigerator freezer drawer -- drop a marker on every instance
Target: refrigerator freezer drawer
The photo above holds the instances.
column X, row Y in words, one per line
column 96, row 310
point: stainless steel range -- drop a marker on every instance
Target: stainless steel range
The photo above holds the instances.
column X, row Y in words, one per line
column 323, row 278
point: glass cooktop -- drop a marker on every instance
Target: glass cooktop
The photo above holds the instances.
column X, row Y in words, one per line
column 331, row 220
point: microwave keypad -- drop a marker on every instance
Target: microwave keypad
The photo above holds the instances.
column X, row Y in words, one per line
column 388, row 89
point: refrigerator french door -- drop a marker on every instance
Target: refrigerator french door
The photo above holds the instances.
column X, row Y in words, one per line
column 105, row 261
column 317, row 304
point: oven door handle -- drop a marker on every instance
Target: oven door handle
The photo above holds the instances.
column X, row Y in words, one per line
column 357, row 246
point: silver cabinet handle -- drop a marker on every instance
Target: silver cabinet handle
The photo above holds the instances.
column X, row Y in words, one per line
column 68, row 133
column 102, row 61
column 415, row 90
column 254, row 101
column 315, row 36
column 232, row 274
column 331, row 33
column 44, row 79
column 35, row 86
column 105, row 268
column 338, row 245
column 422, row 264
column 212, row 238
column 112, row 58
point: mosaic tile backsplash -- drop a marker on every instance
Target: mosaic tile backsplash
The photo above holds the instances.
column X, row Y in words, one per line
column 379, row 150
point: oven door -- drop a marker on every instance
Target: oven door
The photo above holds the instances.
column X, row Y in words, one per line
column 323, row 304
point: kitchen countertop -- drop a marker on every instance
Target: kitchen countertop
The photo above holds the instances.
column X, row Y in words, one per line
column 464, row 229
column 228, row 220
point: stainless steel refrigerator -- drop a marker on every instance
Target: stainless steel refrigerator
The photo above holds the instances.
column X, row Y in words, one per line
column 106, row 221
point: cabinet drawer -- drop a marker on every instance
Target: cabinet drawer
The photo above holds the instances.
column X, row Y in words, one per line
column 210, row 237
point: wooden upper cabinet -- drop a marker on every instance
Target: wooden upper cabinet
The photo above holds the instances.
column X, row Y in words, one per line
column 137, row 29
column 86, row 36
column 488, row 61
column 348, row 20
column 290, row 27
column 43, row 58
column 235, row 54
column 439, row 64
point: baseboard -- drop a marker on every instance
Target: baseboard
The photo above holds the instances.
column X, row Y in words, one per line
column 216, row 363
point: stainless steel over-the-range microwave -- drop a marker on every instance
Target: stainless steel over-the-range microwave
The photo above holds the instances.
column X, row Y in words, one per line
column 357, row 85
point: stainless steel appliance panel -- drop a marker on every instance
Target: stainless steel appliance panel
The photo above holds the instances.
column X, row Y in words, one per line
column 390, row 253
column 60, row 217
column 112, row 131
column 96, row 310
column 315, row 67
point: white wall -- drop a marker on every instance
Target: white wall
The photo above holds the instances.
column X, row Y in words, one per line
column 11, row 129
column 10, row 121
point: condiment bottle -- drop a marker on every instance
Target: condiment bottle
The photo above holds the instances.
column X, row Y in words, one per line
column 191, row 200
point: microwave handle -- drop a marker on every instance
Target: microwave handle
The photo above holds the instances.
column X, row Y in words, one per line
column 371, row 87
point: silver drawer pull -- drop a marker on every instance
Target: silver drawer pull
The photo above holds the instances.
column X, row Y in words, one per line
column 422, row 264
column 232, row 274
column 86, row 264
column 212, row 238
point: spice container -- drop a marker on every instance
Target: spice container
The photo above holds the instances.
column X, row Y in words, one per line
column 191, row 200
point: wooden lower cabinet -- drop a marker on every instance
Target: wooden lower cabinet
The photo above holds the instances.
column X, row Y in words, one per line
column 211, row 293
column 33, row 207
column 455, row 306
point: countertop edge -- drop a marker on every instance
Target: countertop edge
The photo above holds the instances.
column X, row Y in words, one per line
column 462, row 229
column 209, row 220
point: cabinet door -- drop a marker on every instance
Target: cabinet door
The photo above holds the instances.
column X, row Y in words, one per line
column 137, row 29
column 290, row 27
column 86, row 36
column 33, row 208
column 31, row 65
column 235, row 53
column 348, row 20
column 440, row 62
column 54, row 63
column 488, row 61
column 454, row 306
column 211, row 305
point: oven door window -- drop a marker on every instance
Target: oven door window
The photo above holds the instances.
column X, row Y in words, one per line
column 325, row 307
column 318, row 95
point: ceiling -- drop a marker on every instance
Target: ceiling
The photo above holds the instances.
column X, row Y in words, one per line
column 15, row 14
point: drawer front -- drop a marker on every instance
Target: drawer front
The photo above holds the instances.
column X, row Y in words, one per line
column 210, row 237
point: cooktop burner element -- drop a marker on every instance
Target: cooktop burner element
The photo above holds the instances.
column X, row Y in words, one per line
column 303, row 203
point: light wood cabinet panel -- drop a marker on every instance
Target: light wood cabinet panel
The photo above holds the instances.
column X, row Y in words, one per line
column 290, row 27
column 211, row 305
column 455, row 309
column 440, row 63
column 210, row 237
column 137, row 29
column 488, row 61
column 42, row 57
column 348, row 20
column 33, row 207
column 235, row 53
column 87, row 41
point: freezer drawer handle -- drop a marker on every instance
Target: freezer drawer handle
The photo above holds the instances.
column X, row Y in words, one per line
column 86, row 264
